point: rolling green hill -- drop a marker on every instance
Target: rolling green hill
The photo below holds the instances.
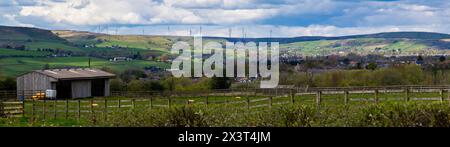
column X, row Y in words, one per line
column 400, row 42
column 27, row 34
column 363, row 46
column 21, row 49
column 25, row 49
column 18, row 53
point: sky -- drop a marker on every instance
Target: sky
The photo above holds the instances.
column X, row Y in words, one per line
column 235, row 18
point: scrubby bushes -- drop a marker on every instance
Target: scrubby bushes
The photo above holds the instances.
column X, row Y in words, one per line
column 405, row 115
column 396, row 114
column 370, row 115
column 398, row 75
column 8, row 84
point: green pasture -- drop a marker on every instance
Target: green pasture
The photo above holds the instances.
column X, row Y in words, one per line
column 13, row 52
column 363, row 45
column 138, row 42
column 51, row 45
column 16, row 66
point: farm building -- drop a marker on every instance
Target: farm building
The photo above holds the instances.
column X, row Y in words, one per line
column 68, row 83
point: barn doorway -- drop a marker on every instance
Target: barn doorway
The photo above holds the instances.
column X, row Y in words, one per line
column 64, row 90
column 98, row 87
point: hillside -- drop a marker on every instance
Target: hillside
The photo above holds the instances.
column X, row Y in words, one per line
column 400, row 43
column 17, row 41
column 108, row 46
column 22, row 46
column 27, row 34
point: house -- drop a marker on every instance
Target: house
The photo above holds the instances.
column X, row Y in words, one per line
column 119, row 59
column 68, row 83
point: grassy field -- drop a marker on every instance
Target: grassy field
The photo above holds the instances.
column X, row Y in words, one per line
column 363, row 45
column 12, row 52
column 137, row 42
column 16, row 66
column 52, row 45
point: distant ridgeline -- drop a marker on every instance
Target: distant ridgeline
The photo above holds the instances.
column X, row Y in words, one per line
column 390, row 35
column 78, row 43
column 27, row 34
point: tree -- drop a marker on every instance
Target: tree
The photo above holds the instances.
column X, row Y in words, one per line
column 170, row 83
column 46, row 66
column 117, row 85
column 420, row 58
column 8, row 84
column 137, row 56
column 372, row 66
column 132, row 74
column 359, row 65
column 442, row 59
column 219, row 83
column 135, row 85
column 153, row 86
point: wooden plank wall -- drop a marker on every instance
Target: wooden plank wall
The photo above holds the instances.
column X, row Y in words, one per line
column 81, row 89
column 107, row 88
column 33, row 82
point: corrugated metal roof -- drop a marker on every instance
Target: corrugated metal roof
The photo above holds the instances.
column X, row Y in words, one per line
column 64, row 74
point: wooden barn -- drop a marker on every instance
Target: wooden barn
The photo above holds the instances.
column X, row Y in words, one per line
column 68, row 83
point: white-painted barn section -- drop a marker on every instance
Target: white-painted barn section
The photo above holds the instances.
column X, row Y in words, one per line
column 68, row 83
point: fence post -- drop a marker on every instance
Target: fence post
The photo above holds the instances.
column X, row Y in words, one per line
column 119, row 104
column 151, row 102
column 376, row 96
column 270, row 102
column 133, row 103
column 105, row 111
column 23, row 108
column 248, row 103
column 442, row 95
column 32, row 108
column 79, row 110
column 67, row 109
column 448, row 95
column 207, row 100
column 292, row 96
column 1, row 108
column 44, row 111
column 55, row 109
column 91, row 103
column 346, row 97
column 169, row 102
column 319, row 98
column 407, row 94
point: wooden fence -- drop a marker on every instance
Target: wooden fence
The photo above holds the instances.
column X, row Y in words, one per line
column 275, row 91
column 78, row 109
column 12, row 109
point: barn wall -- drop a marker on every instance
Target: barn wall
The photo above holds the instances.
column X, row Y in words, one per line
column 81, row 89
column 31, row 83
column 107, row 88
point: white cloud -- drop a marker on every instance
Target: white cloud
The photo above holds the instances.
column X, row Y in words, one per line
column 386, row 14
column 284, row 17
column 142, row 12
